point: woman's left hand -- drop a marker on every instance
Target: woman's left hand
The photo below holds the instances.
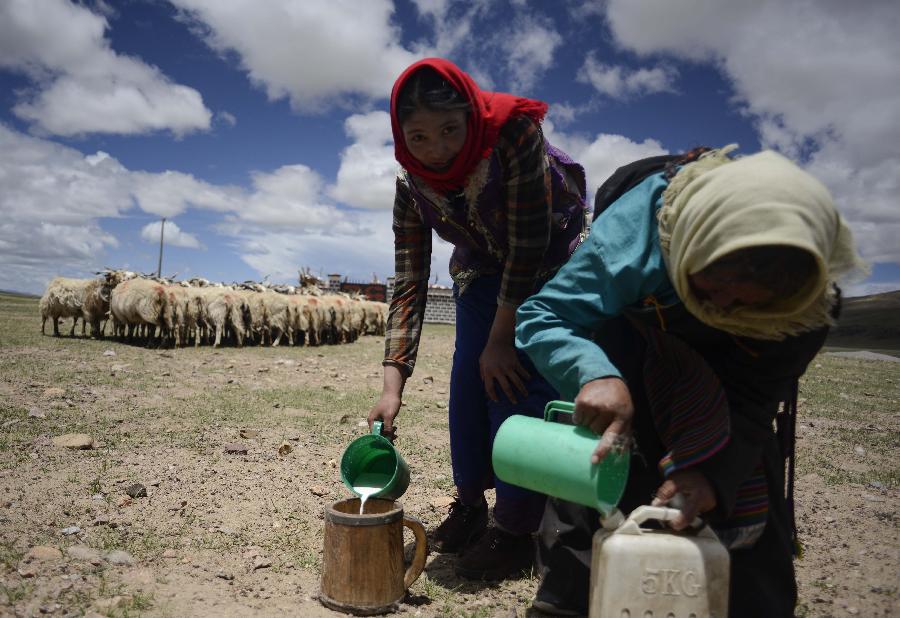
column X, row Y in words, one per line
column 697, row 492
column 499, row 362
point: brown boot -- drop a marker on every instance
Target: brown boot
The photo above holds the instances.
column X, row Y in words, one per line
column 462, row 526
column 497, row 555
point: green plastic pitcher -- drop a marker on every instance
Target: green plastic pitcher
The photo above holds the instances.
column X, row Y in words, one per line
column 372, row 462
column 555, row 459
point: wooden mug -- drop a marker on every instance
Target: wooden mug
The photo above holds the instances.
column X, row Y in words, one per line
column 362, row 570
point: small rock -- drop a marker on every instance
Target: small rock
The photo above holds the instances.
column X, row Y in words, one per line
column 42, row 553
column 332, row 463
column 871, row 498
column 170, row 553
column 876, row 485
column 318, row 490
column 362, row 424
column 124, row 501
column 70, row 531
column 263, row 370
column 344, row 419
column 118, row 367
column 87, row 554
column 261, row 563
column 107, row 605
column 35, row 413
column 109, row 353
column 166, row 355
column 852, row 611
column 442, row 502
column 285, row 449
column 859, row 450
column 120, row 557
column 136, row 490
column 75, row 441
column 236, row 448
column 51, row 393
column 28, row 571
column 225, row 575
column 428, row 379
column 248, row 433
column 101, row 520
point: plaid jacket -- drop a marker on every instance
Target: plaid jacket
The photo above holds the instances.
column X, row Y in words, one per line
column 520, row 214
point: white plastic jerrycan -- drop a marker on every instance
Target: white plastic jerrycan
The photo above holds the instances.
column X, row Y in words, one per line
column 646, row 573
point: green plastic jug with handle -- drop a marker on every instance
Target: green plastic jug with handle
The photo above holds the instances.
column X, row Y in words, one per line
column 555, row 459
column 372, row 464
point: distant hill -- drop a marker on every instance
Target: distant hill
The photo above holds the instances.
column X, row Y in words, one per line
column 868, row 323
column 22, row 294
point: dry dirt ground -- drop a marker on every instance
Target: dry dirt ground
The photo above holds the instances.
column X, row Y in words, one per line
column 221, row 534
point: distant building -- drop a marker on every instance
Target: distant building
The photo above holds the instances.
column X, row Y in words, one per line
column 440, row 307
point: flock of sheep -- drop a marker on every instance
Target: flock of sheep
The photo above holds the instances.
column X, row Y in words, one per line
column 164, row 312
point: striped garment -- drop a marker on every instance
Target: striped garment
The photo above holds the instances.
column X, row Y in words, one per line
column 690, row 413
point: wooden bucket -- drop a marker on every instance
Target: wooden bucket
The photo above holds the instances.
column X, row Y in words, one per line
column 362, row 570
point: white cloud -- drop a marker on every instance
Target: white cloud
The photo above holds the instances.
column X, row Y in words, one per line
column 311, row 51
column 51, row 200
column 366, row 178
column 54, row 199
column 816, row 76
column 622, row 83
column 289, row 198
column 224, row 117
column 172, row 235
column 601, row 154
column 81, row 84
column 529, row 49
column 169, row 193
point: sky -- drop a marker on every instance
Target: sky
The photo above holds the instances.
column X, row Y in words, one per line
column 260, row 130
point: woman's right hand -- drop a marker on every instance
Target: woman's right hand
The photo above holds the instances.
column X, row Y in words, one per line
column 387, row 408
column 605, row 407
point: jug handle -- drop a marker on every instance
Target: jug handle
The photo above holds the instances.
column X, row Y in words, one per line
column 376, row 427
column 555, row 407
column 418, row 563
column 663, row 513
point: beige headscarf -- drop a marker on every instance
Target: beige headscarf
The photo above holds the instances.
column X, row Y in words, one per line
column 718, row 205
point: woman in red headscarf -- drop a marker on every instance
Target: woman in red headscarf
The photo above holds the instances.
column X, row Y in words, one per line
column 477, row 170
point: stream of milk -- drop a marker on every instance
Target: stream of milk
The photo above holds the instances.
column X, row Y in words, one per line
column 364, row 494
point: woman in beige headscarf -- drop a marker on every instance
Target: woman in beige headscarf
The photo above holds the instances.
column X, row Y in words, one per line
column 680, row 325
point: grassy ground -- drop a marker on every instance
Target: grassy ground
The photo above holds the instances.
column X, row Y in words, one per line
column 163, row 417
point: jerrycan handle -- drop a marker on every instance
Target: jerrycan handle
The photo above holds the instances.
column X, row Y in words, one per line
column 660, row 513
column 553, row 408
column 376, row 428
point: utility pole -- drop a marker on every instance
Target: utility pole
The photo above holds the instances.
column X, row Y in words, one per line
column 162, row 230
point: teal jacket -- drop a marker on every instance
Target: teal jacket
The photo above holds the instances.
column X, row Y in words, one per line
column 618, row 266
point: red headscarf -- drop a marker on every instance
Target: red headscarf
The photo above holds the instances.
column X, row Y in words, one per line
column 490, row 111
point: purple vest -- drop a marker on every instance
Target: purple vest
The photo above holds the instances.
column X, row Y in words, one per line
column 474, row 220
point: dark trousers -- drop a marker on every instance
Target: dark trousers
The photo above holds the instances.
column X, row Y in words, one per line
column 474, row 418
column 762, row 576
